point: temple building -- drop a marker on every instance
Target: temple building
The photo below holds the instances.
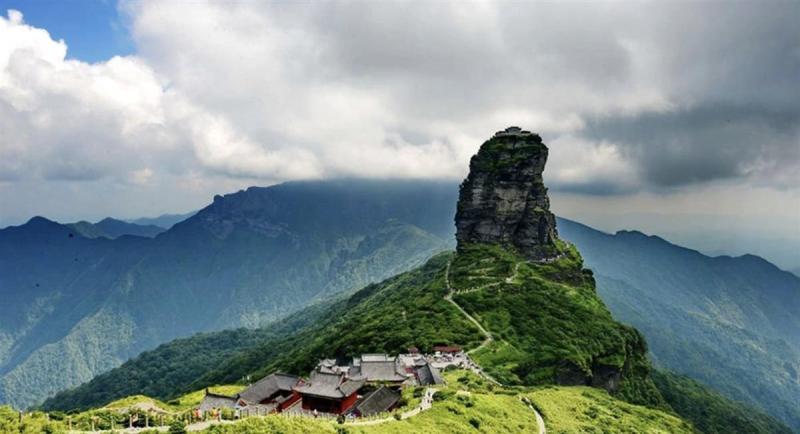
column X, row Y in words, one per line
column 275, row 390
column 328, row 392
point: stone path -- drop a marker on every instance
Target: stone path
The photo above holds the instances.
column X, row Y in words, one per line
column 539, row 419
column 477, row 369
column 449, row 297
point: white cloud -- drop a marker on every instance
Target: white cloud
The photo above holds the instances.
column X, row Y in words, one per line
column 230, row 94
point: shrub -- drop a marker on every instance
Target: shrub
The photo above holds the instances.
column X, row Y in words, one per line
column 177, row 427
column 475, row 422
column 443, row 395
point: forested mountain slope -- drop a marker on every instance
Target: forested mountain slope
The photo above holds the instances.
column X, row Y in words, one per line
column 731, row 323
column 404, row 310
column 79, row 306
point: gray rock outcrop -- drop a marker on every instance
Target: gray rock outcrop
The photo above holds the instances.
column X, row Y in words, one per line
column 504, row 201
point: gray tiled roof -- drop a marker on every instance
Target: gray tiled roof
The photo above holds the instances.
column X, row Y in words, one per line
column 212, row 400
column 381, row 371
column 427, row 374
column 269, row 386
column 376, row 357
column 327, row 385
column 378, row 401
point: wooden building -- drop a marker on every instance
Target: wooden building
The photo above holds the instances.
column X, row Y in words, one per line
column 273, row 390
column 328, row 392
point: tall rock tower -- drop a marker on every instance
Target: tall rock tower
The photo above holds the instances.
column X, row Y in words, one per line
column 504, row 200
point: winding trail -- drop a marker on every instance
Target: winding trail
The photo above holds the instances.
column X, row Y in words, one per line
column 427, row 399
column 488, row 336
column 488, row 339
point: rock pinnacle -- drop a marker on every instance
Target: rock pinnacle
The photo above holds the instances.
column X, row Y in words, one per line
column 503, row 200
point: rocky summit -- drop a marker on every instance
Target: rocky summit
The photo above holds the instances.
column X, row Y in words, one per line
column 504, row 200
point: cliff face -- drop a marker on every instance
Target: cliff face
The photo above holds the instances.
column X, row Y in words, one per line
column 504, row 200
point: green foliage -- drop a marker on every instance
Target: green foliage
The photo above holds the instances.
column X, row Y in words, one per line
column 589, row 410
column 80, row 306
column 549, row 324
column 514, row 151
column 710, row 412
column 406, row 310
column 730, row 323
column 165, row 372
column 177, row 427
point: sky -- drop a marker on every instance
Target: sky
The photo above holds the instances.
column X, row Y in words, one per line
column 675, row 118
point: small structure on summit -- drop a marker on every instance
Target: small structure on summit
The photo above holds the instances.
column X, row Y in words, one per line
column 504, row 201
column 513, row 131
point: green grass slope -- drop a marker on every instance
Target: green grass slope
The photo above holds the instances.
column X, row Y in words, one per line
column 549, row 324
column 589, row 410
column 465, row 404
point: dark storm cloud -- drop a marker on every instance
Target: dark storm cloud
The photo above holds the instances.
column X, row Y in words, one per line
column 705, row 143
column 732, row 74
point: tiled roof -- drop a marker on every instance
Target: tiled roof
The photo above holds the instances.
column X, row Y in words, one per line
column 381, row 371
column 269, row 386
column 378, row 401
column 327, row 385
column 427, row 375
column 213, row 400
column 376, row 357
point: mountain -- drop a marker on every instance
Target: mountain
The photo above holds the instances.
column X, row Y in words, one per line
column 530, row 316
column 113, row 228
column 369, row 320
column 117, row 228
column 165, row 221
column 731, row 323
column 79, row 306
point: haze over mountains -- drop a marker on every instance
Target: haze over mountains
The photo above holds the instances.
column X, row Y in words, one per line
column 100, row 301
column 80, row 306
column 731, row 323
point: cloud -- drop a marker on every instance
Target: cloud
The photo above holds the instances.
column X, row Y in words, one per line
column 708, row 142
column 630, row 97
column 412, row 89
column 69, row 120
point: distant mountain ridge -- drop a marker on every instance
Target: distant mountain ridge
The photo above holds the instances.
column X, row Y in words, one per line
column 731, row 323
column 165, row 221
column 657, row 297
column 80, row 306
column 112, row 228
